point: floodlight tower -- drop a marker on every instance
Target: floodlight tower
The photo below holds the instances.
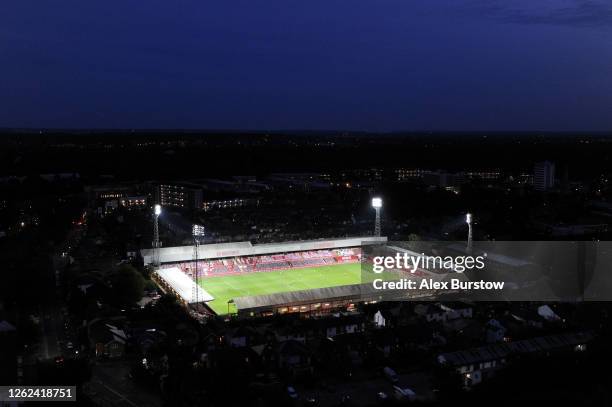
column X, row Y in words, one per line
column 468, row 220
column 197, row 231
column 156, row 243
column 377, row 204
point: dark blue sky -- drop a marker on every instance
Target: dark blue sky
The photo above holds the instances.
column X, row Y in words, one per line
column 320, row 64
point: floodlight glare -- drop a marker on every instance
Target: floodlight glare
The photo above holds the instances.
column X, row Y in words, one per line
column 468, row 218
column 198, row 230
column 377, row 202
column 157, row 210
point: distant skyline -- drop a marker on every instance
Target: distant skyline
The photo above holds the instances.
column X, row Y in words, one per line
column 361, row 65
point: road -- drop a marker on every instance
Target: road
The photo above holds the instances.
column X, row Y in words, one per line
column 111, row 386
column 51, row 325
column 364, row 392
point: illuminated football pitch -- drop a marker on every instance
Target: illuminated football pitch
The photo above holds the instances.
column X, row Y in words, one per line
column 224, row 288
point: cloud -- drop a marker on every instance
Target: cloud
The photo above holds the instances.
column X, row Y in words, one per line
column 575, row 13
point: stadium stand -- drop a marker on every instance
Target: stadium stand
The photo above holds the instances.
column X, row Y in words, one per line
column 172, row 279
column 229, row 266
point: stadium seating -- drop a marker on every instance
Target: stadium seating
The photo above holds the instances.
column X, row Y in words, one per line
column 282, row 261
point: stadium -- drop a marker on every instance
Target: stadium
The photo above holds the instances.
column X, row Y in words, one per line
column 315, row 277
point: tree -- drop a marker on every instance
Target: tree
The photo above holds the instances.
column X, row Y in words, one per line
column 127, row 285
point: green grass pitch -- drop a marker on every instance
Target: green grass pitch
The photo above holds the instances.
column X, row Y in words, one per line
column 224, row 288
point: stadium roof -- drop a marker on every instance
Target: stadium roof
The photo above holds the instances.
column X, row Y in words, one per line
column 498, row 258
column 355, row 292
column 297, row 297
column 182, row 285
column 221, row 250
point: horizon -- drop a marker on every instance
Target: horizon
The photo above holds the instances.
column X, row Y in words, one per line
column 299, row 132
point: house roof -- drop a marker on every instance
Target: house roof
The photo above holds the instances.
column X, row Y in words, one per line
column 5, row 326
column 105, row 331
column 292, row 347
column 502, row 350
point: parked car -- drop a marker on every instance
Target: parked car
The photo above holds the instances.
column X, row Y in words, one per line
column 292, row 393
column 403, row 393
column 390, row 375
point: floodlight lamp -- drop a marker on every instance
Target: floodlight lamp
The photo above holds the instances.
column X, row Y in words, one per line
column 198, row 230
column 157, row 210
column 376, row 202
column 468, row 218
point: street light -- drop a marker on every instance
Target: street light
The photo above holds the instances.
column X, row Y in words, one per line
column 377, row 204
column 158, row 210
column 468, row 220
